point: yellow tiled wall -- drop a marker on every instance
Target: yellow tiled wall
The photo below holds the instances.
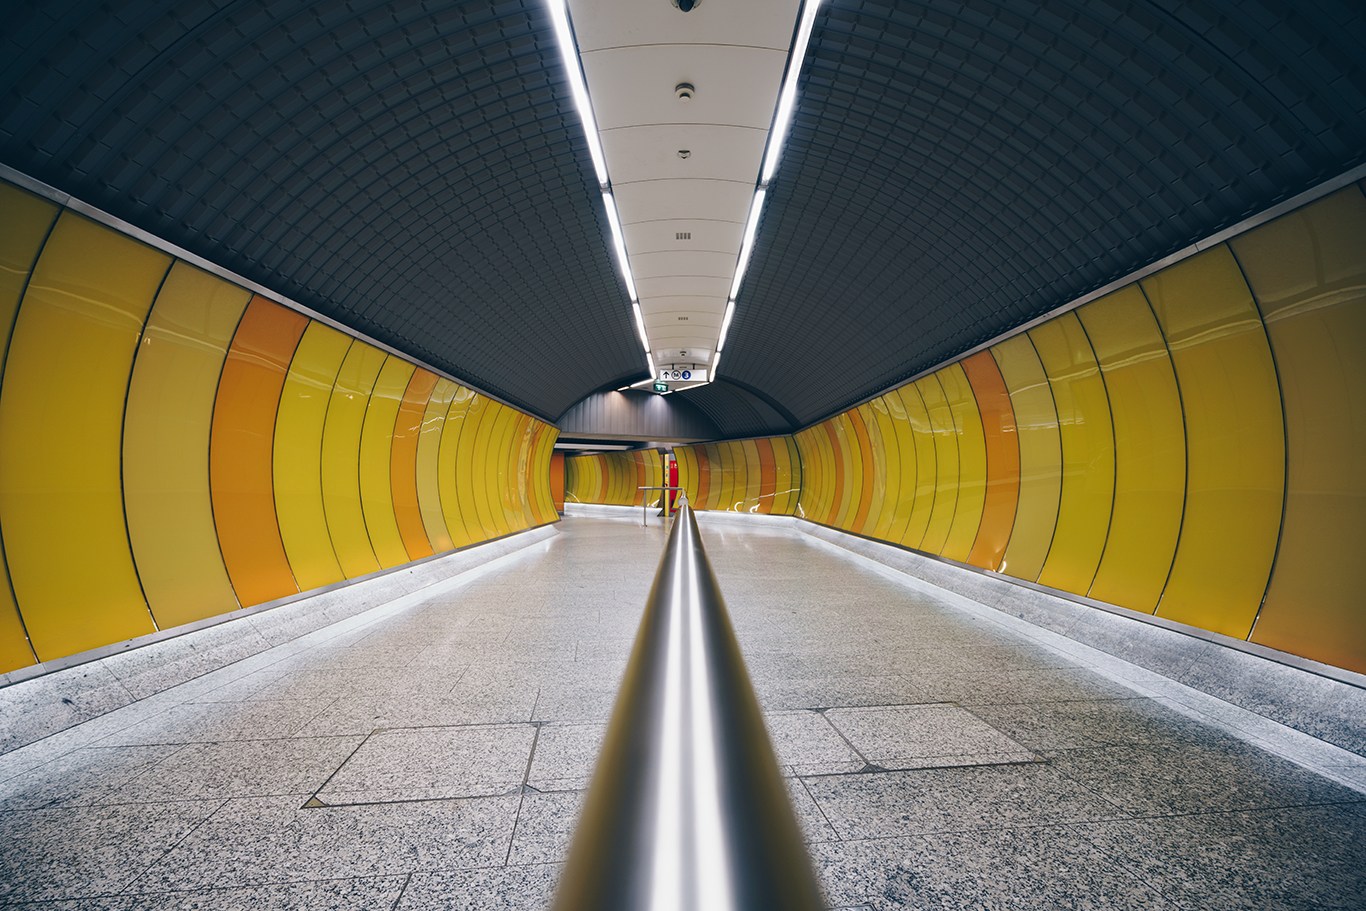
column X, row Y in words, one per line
column 173, row 448
column 614, row 478
column 1192, row 446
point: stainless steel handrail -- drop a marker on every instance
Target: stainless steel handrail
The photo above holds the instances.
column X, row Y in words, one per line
column 687, row 809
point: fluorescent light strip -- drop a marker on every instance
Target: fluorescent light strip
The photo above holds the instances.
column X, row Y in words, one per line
column 619, row 241
column 747, row 247
column 715, row 366
column 640, row 325
column 651, row 361
column 569, row 52
column 725, row 324
column 788, row 99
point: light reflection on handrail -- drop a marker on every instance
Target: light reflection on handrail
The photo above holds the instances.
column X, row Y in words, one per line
column 687, row 809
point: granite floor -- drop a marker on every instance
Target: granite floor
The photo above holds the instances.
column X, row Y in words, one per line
column 433, row 757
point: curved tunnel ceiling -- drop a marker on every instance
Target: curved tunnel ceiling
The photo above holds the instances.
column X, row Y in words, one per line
column 417, row 171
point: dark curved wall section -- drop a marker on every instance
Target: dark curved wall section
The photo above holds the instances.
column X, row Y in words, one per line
column 173, row 447
column 1191, row 446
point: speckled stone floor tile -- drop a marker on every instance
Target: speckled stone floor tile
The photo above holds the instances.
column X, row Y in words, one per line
column 1080, row 724
column 565, row 756
column 523, row 888
column 944, row 800
column 502, row 686
column 924, row 736
column 252, row 841
column 361, row 894
column 1301, row 857
column 400, row 764
column 1041, row 867
column 1192, row 777
column 244, row 768
column 81, row 777
column 806, row 744
column 71, row 852
column 545, row 827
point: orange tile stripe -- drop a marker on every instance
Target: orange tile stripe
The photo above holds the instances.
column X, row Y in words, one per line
column 240, row 450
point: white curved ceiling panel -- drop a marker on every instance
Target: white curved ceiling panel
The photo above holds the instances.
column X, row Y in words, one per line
column 683, row 174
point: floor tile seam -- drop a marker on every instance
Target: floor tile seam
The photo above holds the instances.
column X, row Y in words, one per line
column 1237, row 811
column 143, row 771
column 363, row 741
column 189, row 890
column 1126, row 673
column 167, row 853
column 526, row 776
column 978, row 828
column 819, row 809
column 402, row 890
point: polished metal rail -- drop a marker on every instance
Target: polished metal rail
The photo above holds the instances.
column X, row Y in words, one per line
column 687, row 810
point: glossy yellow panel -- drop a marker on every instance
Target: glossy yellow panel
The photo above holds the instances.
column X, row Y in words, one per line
column 457, row 506
column 571, row 480
column 546, row 450
column 1150, row 449
column 896, row 430
column 824, row 461
column 919, row 480
column 61, row 422
column 887, row 462
column 1235, row 443
column 945, row 460
column 469, row 470
column 861, row 444
column 1036, row 421
column 516, row 503
column 807, row 492
column 849, row 469
column 376, row 442
column 527, row 467
column 23, row 229
column 687, row 471
column 972, row 463
column 798, row 475
column 495, row 467
column 341, row 459
column 1088, row 453
column 784, row 485
column 725, row 462
column 166, row 429
column 1308, row 273
column 241, row 451
column 428, row 454
column 753, row 476
column 297, row 456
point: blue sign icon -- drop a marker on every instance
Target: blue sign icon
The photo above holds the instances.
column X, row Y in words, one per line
column 687, row 374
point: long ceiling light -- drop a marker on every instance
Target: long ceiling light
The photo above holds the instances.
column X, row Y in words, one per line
column 725, row 325
column 747, row 246
column 788, row 99
column 569, row 53
column 782, row 117
column 640, row 325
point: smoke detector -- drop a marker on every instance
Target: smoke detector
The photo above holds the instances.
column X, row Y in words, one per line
column 684, row 91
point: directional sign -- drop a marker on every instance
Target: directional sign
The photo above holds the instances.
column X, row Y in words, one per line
column 661, row 387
